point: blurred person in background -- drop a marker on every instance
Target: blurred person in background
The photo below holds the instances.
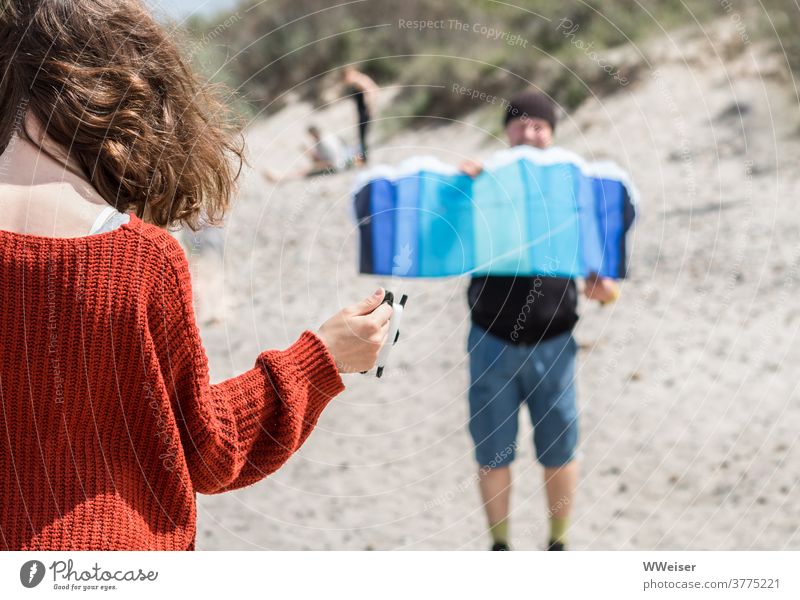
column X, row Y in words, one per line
column 364, row 92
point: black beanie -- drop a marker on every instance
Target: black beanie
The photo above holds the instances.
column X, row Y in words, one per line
column 531, row 104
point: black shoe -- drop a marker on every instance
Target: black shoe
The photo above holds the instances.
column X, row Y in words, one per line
column 500, row 546
column 554, row 545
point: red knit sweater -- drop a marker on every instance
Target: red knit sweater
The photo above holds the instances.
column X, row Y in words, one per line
column 108, row 423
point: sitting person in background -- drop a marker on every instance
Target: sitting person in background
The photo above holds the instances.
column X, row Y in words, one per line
column 328, row 155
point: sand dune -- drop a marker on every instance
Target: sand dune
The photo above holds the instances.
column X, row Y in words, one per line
column 687, row 388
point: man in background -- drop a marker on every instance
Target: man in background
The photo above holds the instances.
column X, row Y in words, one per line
column 531, row 361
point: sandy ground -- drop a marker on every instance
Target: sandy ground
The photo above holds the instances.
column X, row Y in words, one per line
column 687, row 385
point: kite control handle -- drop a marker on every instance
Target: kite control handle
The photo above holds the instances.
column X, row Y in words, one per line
column 394, row 331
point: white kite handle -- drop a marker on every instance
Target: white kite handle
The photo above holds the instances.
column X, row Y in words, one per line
column 394, row 331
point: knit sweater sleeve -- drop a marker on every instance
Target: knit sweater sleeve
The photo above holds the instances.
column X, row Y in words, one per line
column 236, row 432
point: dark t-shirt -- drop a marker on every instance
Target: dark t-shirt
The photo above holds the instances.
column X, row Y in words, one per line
column 523, row 310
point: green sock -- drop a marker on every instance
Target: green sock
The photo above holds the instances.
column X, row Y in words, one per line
column 499, row 532
column 558, row 529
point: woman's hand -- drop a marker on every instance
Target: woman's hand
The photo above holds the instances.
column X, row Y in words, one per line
column 355, row 334
column 602, row 289
column 471, row 167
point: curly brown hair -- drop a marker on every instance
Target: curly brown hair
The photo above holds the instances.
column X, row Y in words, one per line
column 109, row 86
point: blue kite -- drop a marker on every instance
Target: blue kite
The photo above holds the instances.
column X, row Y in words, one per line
column 530, row 212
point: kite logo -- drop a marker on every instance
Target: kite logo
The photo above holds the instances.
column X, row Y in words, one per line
column 402, row 262
column 31, row 573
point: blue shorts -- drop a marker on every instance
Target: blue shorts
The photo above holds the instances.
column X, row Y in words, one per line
column 502, row 377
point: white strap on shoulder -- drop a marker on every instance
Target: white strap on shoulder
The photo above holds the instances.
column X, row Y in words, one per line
column 104, row 216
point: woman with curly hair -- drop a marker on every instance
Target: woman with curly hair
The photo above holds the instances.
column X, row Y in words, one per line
column 109, row 425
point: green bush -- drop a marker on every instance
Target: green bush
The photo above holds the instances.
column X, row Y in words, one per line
column 298, row 45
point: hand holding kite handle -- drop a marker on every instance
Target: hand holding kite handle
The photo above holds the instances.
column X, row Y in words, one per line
column 355, row 334
column 393, row 333
column 603, row 289
column 394, row 330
